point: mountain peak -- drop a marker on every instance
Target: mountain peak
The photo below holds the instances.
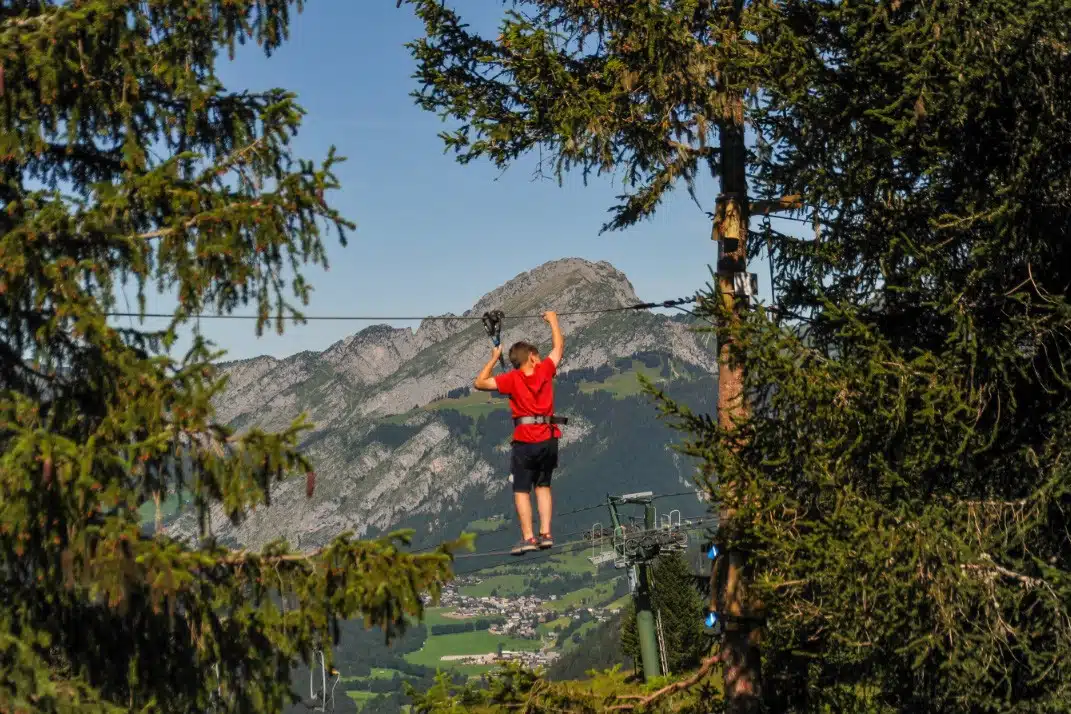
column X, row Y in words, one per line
column 564, row 284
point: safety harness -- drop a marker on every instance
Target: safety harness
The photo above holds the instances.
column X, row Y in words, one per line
column 492, row 322
column 540, row 420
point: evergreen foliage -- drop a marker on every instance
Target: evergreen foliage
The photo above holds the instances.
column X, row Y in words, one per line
column 595, row 86
column 903, row 485
column 630, row 636
column 600, row 650
column 124, row 161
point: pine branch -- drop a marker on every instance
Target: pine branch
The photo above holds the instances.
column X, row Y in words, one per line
column 94, row 430
column 646, row 701
column 29, row 683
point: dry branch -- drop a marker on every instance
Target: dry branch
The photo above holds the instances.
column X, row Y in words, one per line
column 707, row 665
column 993, row 568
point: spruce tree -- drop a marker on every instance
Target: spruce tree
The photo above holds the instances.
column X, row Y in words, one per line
column 126, row 164
column 902, row 482
column 676, row 601
column 907, row 470
column 630, row 636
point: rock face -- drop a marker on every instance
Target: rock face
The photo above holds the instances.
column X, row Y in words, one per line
column 382, row 449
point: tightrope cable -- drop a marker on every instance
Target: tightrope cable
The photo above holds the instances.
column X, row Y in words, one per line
column 588, row 541
column 424, row 548
column 695, row 521
column 442, row 318
column 567, row 548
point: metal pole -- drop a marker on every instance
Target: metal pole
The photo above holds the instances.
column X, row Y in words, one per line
column 323, row 677
column 645, row 622
column 662, row 642
column 612, row 503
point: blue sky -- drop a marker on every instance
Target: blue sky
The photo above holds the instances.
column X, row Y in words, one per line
column 432, row 235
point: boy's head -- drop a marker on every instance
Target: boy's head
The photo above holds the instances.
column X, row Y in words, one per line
column 523, row 353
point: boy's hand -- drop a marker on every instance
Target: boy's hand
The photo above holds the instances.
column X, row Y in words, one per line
column 496, row 351
column 556, row 349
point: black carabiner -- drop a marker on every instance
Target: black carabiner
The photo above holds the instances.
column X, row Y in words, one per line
column 492, row 322
column 494, row 329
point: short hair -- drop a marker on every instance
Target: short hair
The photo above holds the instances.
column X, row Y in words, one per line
column 518, row 354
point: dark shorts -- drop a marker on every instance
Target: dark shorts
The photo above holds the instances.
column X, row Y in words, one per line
column 532, row 464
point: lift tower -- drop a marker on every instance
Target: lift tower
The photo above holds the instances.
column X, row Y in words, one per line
column 636, row 548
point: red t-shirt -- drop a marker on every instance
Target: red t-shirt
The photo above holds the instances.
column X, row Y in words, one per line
column 531, row 395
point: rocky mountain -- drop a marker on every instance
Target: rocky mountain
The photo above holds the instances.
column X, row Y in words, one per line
column 399, row 441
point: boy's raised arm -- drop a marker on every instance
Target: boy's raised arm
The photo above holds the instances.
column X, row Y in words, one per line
column 484, row 381
column 558, row 342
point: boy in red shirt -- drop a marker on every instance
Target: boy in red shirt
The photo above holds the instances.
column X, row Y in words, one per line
column 530, row 388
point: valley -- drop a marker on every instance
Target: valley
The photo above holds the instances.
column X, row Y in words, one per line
column 400, row 442
column 531, row 612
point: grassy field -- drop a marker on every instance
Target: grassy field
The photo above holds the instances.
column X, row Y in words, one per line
column 377, row 673
column 573, row 563
column 382, row 673
column 591, row 596
column 474, row 405
column 506, row 584
column 547, row 628
column 486, row 525
column 462, row 643
column 625, row 384
column 397, row 418
column 437, row 616
column 576, row 563
column 360, row 698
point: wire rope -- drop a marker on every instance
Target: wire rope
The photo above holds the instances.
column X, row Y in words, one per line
column 424, row 548
column 444, row 318
column 558, row 549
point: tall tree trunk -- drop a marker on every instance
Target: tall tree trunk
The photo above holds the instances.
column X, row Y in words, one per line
column 740, row 654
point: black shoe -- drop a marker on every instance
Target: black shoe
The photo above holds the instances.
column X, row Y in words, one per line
column 545, row 541
column 525, row 546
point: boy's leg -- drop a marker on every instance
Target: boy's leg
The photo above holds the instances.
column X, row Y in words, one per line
column 548, row 462
column 520, row 463
column 523, row 502
column 546, row 507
